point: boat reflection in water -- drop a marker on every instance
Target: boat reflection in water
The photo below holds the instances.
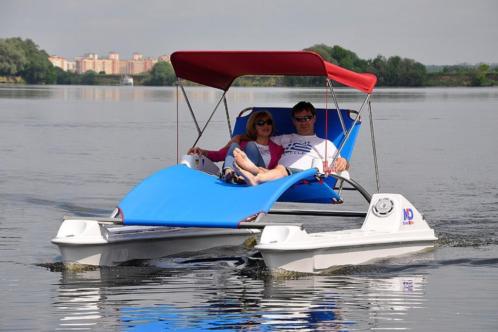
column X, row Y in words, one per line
column 203, row 297
column 340, row 302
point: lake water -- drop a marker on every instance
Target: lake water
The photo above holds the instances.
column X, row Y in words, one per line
column 78, row 150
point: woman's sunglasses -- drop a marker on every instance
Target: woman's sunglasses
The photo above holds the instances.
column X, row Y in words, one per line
column 263, row 122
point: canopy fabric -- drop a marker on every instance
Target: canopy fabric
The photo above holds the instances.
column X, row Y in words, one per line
column 218, row 69
column 182, row 197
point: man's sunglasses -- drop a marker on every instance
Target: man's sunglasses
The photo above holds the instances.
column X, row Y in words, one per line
column 303, row 118
column 263, row 122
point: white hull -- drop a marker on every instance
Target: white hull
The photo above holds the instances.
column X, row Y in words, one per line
column 327, row 259
column 91, row 242
column 291, row 248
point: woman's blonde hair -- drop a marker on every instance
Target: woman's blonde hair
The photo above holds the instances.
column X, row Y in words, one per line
column 251, row 133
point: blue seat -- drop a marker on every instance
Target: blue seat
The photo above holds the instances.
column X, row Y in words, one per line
column 312, row 190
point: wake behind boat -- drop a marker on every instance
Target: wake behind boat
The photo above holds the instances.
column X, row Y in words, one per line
column 156, row 219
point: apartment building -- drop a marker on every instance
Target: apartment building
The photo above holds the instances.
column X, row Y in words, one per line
column 62, row 63
column 111, row 65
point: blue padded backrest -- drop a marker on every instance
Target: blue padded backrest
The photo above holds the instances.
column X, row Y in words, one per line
column 283, row 125
column 312, row 191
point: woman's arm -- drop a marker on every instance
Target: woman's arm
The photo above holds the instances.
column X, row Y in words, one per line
column 276, row 152
column 221, row 153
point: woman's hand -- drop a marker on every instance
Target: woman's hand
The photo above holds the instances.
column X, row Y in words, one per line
column 235, row 139
column 197, row 150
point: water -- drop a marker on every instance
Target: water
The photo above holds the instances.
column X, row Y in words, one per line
column 78, row 150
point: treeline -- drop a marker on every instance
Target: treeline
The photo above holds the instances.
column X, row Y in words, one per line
column 393, row 71
column 22, row 61
column 463, row 75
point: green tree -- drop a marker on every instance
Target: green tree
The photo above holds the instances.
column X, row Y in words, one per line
column 66, row 77
column 340, row 56
column 12, row 58
column 23, row 58
column 397, row 71
column 89, row 78
column 378, row 66
column 324, row 51
column 161, row 74
column 478, row 76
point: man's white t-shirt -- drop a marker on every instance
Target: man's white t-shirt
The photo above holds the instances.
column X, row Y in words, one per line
column 304, row 152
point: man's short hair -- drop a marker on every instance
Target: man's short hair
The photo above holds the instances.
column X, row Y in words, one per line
column 304, row 106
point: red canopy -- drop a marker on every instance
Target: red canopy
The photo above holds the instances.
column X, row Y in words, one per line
column 218, row 69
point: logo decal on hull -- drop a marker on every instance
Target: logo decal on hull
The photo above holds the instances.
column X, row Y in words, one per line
column 408, row 216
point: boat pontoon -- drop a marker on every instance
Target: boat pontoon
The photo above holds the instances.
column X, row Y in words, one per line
column 156, row 218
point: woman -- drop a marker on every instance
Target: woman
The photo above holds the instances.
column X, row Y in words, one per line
column 256, row 144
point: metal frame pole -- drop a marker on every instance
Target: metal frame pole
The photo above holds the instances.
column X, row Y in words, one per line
column 208, row 120
column 343, row 143
column 177, row 125
column 334, row 98
column 374, row 149
column 228, row 117
column 190, row 107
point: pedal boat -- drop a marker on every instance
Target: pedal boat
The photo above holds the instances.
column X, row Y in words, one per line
column 156, row 219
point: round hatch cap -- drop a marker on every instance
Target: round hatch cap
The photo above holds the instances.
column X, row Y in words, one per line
column 383, row 207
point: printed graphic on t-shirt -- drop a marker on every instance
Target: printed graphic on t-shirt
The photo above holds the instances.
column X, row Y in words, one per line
column 298, row 147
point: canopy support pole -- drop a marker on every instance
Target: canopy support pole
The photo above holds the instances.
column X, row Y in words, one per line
column 190, row 108
column 341, row 120
column 348, row 133
column 334, row 97
column 374, row 149
column 228, row 117
column 210, row 117
column 177, row 125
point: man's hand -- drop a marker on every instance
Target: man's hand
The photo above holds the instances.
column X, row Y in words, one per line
column 340, row 165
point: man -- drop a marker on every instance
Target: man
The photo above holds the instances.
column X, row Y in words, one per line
column 302, row 150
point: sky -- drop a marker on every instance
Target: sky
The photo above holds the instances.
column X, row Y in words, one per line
column 431, row 32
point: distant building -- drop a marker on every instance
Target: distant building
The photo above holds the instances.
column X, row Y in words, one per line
column 113, row 65
column 116, row 64
column 137, row 57
column 91, row 61
column 62, row 63
column 139, row 64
